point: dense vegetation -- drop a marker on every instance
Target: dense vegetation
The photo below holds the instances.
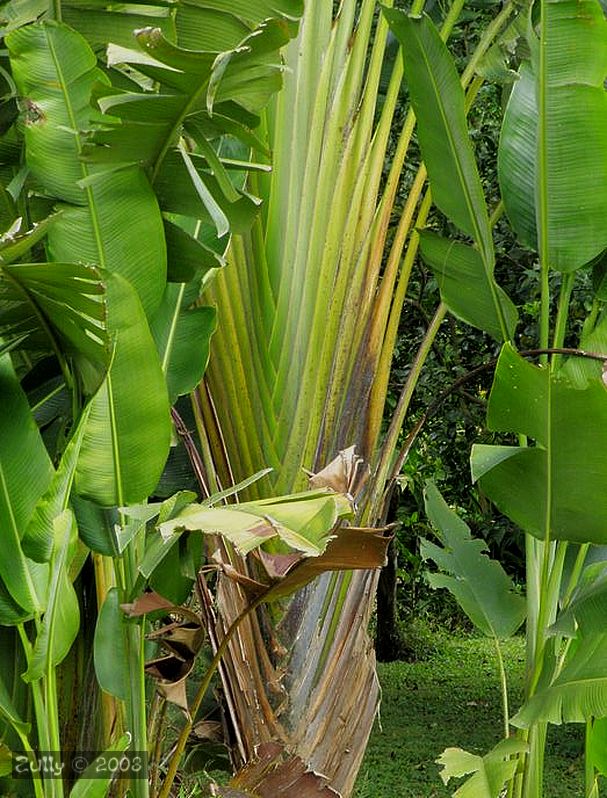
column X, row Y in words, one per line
column 270, row 272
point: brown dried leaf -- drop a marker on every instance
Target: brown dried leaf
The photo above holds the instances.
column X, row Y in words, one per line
column 345, row 474
column 251, row 587
column 208, row 730
column 181, row 639
column 353, row 548
column 148, row 602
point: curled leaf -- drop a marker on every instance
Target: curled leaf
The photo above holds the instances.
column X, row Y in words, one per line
column 180, row 638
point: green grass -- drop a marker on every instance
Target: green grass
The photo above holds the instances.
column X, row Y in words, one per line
column 453, row 699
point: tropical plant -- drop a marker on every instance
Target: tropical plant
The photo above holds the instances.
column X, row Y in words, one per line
column 309, row 311
column 552, row 488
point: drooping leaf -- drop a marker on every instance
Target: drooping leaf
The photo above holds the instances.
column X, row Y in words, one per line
column 480, row 585
column 69, row 297
column 352, row 548
column 304, row 522
column 465, row 286
column 489, row 773
column 109, row 651
column 556, row 483
column 61, row 620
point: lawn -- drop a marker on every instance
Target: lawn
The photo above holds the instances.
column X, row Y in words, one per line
column 452, row 699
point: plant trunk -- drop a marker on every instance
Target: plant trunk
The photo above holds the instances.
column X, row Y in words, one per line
column 387, row 638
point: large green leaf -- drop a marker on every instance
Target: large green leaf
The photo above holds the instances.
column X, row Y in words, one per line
column 438, row 100
column 465, row 286
column 579, row 690
column 556, row 486
column 516, row 158
column 55, row 70
column 68, row 299
column 61, row 619
column 553, row 161
column 479, row 584
column 127, row 439
column 25, row 474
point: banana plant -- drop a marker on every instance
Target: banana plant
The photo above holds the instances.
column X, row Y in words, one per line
column 546, row 488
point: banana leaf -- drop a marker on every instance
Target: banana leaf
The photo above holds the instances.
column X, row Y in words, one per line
column 55, row 70
column 553, row 487
column 553, row 148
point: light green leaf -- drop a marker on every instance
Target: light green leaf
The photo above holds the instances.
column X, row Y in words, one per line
column 596, row 747
column 479, row 584
column 490, row 772
column 109, row 649
column 127, row 439
column 558, row 482
column 61, row 620
column 468, row 290
column 303, row 523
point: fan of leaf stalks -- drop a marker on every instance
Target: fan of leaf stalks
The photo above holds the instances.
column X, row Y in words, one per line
column 309, row 308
